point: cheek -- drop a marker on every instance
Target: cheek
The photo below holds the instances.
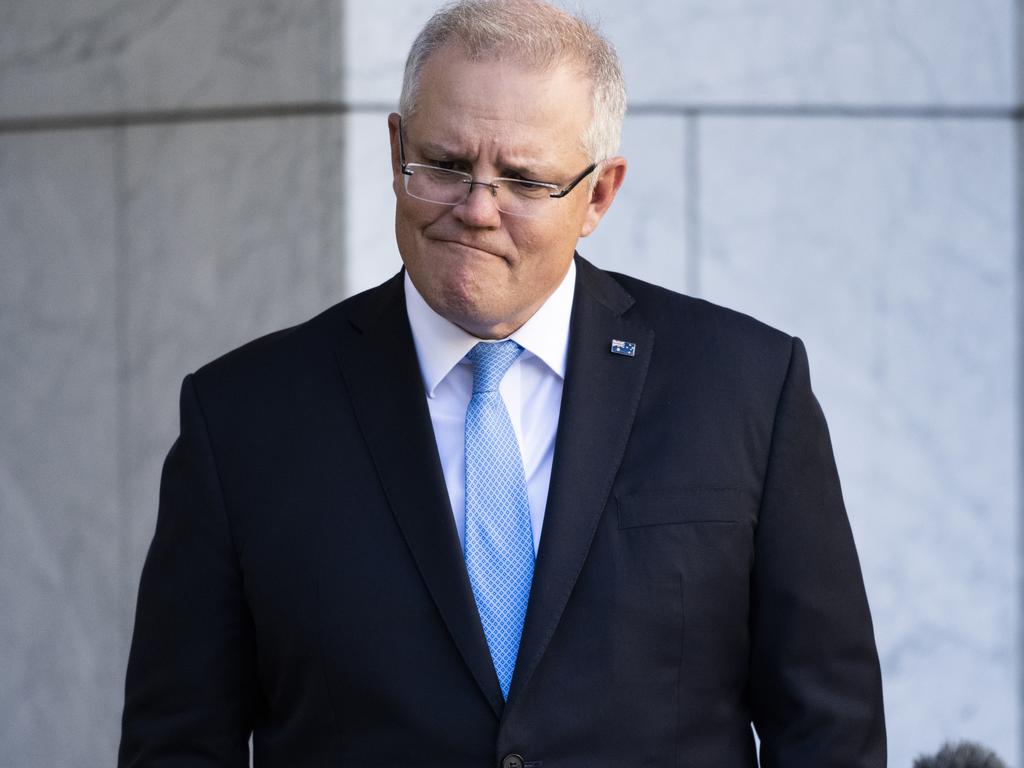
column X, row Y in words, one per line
column 557, row 242
column 544, row 258
column 540, row 237
column 410, row 221
column 545, row 239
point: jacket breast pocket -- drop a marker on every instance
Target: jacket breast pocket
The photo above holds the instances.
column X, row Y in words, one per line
column 695, row 504
column 704, row 537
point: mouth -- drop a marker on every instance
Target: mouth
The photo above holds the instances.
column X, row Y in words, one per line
column 474, row 249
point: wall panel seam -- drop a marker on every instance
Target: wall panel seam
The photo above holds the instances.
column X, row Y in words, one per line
column 691, row 137
column 82, row 121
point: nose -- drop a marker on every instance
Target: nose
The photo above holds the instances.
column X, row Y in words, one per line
column 480, row 208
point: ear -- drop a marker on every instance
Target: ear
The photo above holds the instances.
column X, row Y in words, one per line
column 609, row 178
column 396, row 164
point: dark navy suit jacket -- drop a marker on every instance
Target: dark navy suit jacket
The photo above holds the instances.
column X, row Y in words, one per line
column 696, row 571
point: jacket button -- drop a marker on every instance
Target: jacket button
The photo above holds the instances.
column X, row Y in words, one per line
column 512, row 761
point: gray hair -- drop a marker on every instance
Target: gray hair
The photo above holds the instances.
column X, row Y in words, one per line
column 536, row 34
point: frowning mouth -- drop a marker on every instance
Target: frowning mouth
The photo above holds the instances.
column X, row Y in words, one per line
column 475, row 249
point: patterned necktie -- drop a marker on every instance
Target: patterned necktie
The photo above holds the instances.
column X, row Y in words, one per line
column 499, row 539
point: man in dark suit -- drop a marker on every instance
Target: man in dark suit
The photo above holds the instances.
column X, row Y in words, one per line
column 505, row 509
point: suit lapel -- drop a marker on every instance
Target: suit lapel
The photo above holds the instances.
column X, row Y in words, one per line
column 382, row 374
column 599, row 402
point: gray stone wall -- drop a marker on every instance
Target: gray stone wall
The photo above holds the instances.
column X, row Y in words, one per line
column 848, row 172
column 177, row 177
column 168, row 190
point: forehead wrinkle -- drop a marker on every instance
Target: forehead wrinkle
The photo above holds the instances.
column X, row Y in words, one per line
column 438, row 149
column 517, row 158
column 517, row 122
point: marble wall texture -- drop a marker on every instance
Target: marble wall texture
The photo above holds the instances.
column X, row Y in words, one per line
column 177, row 177
column 166, row 193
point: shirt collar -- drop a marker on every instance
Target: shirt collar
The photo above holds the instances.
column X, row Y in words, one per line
column 440, row 344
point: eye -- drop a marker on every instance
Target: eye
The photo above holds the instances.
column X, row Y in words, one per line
column 448, row 165
column 528, row 187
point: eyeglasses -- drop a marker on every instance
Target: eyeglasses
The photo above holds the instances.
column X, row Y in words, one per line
column 445, row 186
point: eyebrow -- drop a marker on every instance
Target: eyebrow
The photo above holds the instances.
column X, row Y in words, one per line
column 439, row 151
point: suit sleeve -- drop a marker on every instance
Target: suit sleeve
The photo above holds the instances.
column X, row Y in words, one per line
column 191, row 682
column 815, row 681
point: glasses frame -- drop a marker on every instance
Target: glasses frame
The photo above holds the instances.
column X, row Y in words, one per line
column 557, row 191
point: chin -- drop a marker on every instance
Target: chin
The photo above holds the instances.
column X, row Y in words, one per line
column 471, row 292
column 467, row 310
column 476, row 312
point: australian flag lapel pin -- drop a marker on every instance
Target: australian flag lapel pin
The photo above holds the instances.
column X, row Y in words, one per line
column 624, row 348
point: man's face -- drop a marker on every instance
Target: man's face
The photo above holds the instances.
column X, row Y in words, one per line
column 485, row 270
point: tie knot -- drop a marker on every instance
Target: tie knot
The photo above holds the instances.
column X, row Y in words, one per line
column 491, row 360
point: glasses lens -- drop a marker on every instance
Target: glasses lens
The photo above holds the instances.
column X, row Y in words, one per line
column 437, row 185
column 447, row 187
column 523, row 198
column 525, row 191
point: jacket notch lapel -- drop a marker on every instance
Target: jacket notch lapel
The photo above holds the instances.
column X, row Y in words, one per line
column 603, row 384
column 381, row 371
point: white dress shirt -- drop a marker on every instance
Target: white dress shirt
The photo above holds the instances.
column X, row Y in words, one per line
column 531, row 389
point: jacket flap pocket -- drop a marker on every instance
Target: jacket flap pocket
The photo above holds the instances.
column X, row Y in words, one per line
column 686, row 505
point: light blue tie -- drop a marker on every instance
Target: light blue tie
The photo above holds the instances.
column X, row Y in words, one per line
column 499, row 539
